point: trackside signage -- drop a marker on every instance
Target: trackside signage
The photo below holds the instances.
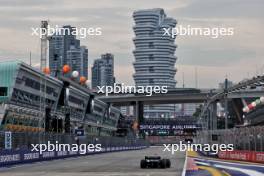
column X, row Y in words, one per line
column 168, row 127
column 8, row 140
column 257, row 157
column 9, row 157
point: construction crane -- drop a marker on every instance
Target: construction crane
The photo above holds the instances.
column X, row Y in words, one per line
column 44, row 45
column 43, row 65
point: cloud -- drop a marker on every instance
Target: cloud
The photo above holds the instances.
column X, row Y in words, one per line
column 221, row 9
column 225, row 55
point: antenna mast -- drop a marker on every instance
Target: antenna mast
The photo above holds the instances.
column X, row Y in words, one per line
column 196, row 78
column 183, row 80
column 30, row 58
column 43, row 64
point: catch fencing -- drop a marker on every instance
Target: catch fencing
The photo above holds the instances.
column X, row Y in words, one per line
column 22, row 140
column 244, row 138
column 21, row 149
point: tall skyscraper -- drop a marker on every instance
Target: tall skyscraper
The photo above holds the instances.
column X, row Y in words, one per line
column 66, row 49
column 56, row 54
column 103, row 71
column 77, row 58
column 96, row 73
column 154, row 55
column 84, row 61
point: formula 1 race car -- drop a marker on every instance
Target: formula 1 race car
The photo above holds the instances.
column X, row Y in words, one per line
column 155, row 162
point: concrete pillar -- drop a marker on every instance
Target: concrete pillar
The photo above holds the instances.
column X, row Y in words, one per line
column 135, row 111
column 226, row 112
column 214, row 116
column 140, row 111
column 238, row 105
column 208, row 118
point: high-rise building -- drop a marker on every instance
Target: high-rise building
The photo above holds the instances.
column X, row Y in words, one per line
column 226, row 84
column 77, row 58
column 66, row 49
column 56, row 54
column 69, row 40
column 84, row 61
column 154, row 55
column 96, row 73
column 103, row 71
column 188, row 109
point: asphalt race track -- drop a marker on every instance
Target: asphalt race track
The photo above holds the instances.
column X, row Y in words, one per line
column 108, row 164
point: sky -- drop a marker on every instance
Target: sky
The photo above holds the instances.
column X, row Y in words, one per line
column 236, row 57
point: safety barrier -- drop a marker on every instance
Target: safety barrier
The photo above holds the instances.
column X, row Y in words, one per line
column 249, row 156
column 21, row 146
column 22, row 140
column 12, row 157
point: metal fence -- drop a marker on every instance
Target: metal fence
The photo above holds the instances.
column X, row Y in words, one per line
column 22, row 140
column 244, row 138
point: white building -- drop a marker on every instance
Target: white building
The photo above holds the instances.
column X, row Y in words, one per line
column 154, row 55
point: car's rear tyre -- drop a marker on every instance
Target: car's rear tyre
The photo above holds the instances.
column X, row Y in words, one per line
column 163, row 163
column 143, row 164
column 168, row 163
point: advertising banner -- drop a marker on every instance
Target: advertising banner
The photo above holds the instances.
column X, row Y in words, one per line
column 8, row 140
column 250, row 156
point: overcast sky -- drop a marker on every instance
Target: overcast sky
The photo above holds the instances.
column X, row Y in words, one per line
column 238, row 56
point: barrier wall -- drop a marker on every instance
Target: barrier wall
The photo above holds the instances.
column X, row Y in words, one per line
column 10, row 157
column 249, row 156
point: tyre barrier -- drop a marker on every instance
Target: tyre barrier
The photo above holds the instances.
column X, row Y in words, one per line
column 13, row 157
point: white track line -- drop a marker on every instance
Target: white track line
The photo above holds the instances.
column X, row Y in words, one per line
column 227, row 162
column 246, row 171
column 201, row 163
column 185, row 165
